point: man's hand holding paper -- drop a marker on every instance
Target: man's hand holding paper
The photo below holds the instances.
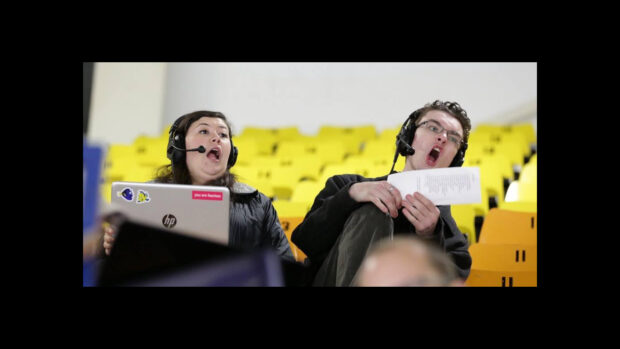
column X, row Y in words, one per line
column 442, row 186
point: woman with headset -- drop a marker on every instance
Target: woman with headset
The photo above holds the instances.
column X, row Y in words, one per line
column 201, row 152
column 353, row 212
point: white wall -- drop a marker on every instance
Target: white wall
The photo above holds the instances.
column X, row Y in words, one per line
column 127, row 100
column 384, row 94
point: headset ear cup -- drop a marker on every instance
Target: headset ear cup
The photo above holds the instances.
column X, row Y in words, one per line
column 459, row 158
column 232, row 158
column 175, row 140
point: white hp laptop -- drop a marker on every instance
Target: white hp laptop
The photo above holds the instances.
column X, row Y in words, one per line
column 196, row 211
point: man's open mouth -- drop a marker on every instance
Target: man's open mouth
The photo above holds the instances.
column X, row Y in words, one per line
column 433, row 155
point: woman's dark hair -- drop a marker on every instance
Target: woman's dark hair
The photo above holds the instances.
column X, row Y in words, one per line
column 178, row 173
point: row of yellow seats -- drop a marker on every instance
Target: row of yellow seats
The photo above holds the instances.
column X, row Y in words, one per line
column 524, row 129
column 363, row 132
column 515, row 142
column 278, row 179
column 506, row 254
column 499, row 133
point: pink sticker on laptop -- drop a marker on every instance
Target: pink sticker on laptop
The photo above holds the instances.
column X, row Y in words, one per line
column 207, row 195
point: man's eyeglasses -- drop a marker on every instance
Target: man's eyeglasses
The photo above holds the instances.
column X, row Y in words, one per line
column 436, row 128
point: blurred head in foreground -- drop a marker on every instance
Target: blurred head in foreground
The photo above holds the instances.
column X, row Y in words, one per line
column 407, row 261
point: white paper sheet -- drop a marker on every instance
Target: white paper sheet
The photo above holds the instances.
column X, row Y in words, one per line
column 443, row 186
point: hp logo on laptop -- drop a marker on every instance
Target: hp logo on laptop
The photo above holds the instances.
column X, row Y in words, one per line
column 169, row 221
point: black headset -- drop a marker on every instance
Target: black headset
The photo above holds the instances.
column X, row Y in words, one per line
column 405, row 138
column 176, row 146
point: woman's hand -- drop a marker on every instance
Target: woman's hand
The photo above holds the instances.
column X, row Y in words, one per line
column 422, row 213
column 386, row 197
column 109, row 234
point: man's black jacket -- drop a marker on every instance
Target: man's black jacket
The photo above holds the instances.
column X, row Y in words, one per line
column 322, row 225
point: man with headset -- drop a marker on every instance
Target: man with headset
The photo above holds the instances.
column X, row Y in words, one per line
column 352, row 212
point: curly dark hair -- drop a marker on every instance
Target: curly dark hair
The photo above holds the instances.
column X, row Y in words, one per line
column 177, row 172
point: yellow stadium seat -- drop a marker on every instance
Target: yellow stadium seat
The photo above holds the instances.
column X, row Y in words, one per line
column 120, row 151
column 478, row 150
column 378, row 148
column 331, row 151
column 527, row 189
column 389, row 134
column 106, row 191
column 493, row 278
column 337, row 169
column 152, row 152
column 501, row 163
column 261, row 185
column 400, row 163
column 464, row 215
column 249, row 173
column 504, row 257
column 482, row 208
column 492, row 181
column 248, row 148
column 265, row 139
column 329, row 131
column 486, row 137
column 512, row 150
column 292, row 148
column 284, row 179
column 309, row 165
column 352, row 143
column 290, row 215
column 364, row 132
column 141, row 174
column 472, row 160
column 265, row 161
column 509, row 227
column 306, row 191
column 489, row 128
column 349, row 137
column 519, row 206
column 257, row 131
column 287, row 133
column 286, row 208
column 118, row 168
column 518, row 140
column 527, row 130
column 288, row 225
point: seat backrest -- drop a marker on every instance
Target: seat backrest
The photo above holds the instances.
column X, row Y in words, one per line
column 286, row 208
column 464, row 215
column 520, row 206
column 528, row 190
column 509, row 227
column 508, row 257
column 306, row 191
column 493, row 278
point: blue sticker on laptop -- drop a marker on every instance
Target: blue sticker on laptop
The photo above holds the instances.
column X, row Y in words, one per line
column 143, row 197
column 126, row 194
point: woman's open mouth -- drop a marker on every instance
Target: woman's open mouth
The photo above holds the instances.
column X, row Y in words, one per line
column 214, row 154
